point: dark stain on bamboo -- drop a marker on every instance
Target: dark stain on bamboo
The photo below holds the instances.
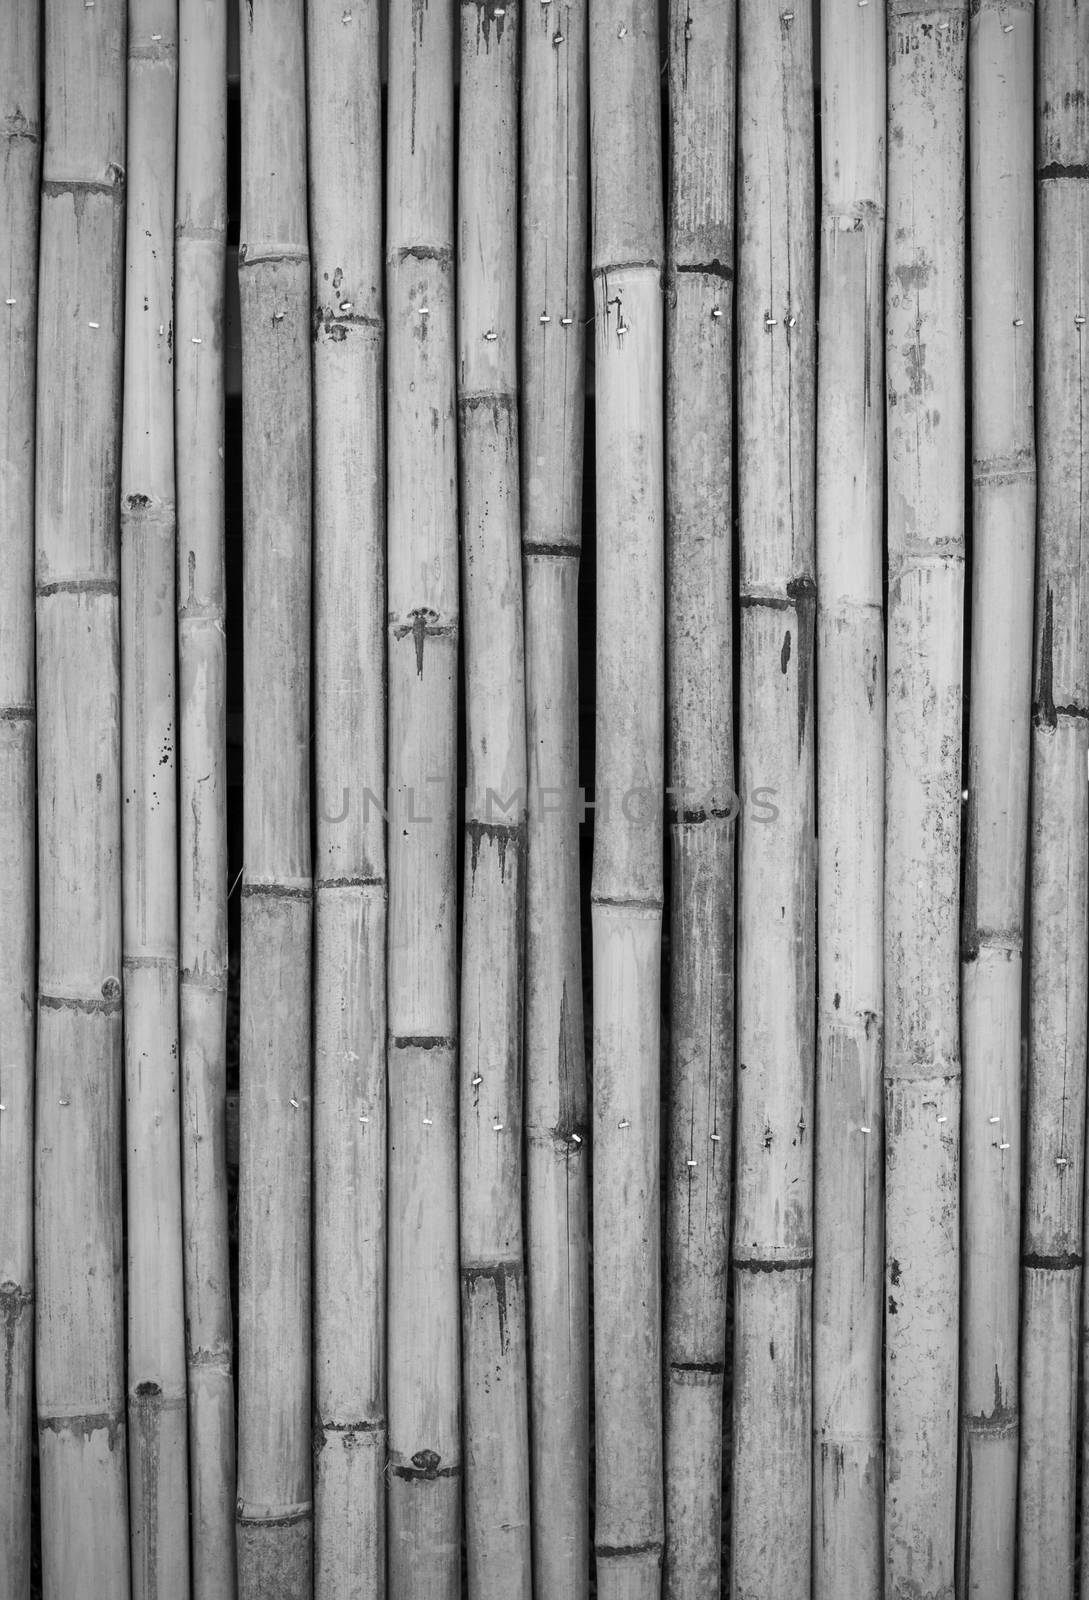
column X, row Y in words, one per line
column 1044, row 709
column 425, row 1468
column 803, row 592
column 501, row 834
column 14, row 1301
column 112, row 1423
column 1054, row 170
column 489, row 13
column 709, row 269
column 498, row 1275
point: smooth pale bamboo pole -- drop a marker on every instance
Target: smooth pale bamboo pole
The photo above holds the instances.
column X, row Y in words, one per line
column 773, row 1221
column 274, row 1436
column 345, row 141
column 423, row 1315
column 20, row 109
column 699, row 533
column 80, row 1357
column 925, row 377
column 848, row 1281
column 627, row 890
column 1000, row 56
column 493, row 1310
column 1053, row 1240
column 199, row 327
column 553, row 316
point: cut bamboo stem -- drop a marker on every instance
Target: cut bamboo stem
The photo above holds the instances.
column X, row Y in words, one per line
column 78, row 1137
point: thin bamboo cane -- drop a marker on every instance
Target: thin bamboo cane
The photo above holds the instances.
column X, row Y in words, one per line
column 424, row 1493
column 848, row 1283
column 925, row 419
column 274, row 1438
column 1000, row 51
column 1059, row 848
column 345, row 139
column 20, row 109
column 78, row 1139
column 699, row 532
column 627, row 888
column 553, row 313
column 199, row 326
column 773, row 1223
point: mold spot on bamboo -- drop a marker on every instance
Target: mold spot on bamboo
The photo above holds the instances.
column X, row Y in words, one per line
column 894, row 1271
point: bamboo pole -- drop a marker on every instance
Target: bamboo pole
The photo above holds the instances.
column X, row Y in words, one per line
column 274, row 1438
column 627, row 888
column 1000, row 58
column 848, row 1282
column 773, row 1223
column 699, row 534
column 345, row 138
column 553, row 343
column 80, row 1357
column 424, row 1493
column 20, row 108
column 1059, row 841
column 925, row 419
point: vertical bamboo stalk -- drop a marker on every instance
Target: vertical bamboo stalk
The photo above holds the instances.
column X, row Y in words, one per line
column 345, row 140
column 848, row 1281
column 20, row 108
column 1000, row 59
column 274, row 1439
column 627, row 889
column 553, row 313
column 1059, row 836
column 78, row 1149
column 925, row 374
column 699, row 532
column 199, row 328
column 773, row 1223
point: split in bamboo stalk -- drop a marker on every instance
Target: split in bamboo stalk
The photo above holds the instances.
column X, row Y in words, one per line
column 925, row 373
column 20, row 109
column 1000, row 54
column 199, row 324
column 274, row 1437
column 1053, row 1226
column 80, row 1353
column 699, row 532
column 848, row 1298
column 553, row 312
column 773, row 1221
column 423, row 1378
column 345, row 142
column 627, row 889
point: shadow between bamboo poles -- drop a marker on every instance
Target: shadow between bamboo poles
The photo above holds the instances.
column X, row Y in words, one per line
column 274, row 1438
column 848, row 1299
column 20, row 109
column 699, row 558
column 554, row 136
column 80, row 1329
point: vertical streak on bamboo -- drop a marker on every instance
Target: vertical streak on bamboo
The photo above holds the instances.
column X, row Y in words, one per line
column 627, row 889
column 848, row 1185
column 424, row 1494
column 274, row 1439
column 927, row 53
column 553, row 340
column 1053, row 1240
column 345, row 140
column 699, row 533
column 1000, row 46
column 773, row 1223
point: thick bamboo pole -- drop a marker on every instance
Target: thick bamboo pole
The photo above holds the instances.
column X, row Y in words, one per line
column 423, row 1380
column 699, row 560
column 925, row 418
column 553, row 341
column 773, row 1223
column 20, row 109
column 1053, row 1240
column 1000, row 58
column 274, row 1437
column 78, row 1221
column 345, row 141
column 848, row 1282
column 627, row 889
